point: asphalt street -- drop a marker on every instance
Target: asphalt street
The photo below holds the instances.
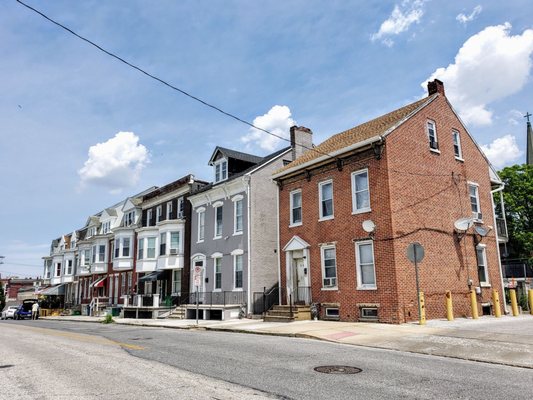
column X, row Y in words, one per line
column 285, row 367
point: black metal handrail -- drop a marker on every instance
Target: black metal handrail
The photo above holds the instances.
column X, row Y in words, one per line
column 265, row 300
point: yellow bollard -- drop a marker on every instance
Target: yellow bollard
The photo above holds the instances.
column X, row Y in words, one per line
column 473, row 302
column 449, row 306
column 530, row 295
column 422, row 319
column 514, row 304
column 496, row 304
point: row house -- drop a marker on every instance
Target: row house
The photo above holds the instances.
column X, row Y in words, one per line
column 163, row 243
column 234, row 233
column 349, row 208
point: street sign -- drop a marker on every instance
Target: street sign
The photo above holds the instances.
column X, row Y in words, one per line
column 197, row 275
column 415, row 252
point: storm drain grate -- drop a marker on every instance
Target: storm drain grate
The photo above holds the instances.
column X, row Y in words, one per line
column 6, row 366
column 337, row 369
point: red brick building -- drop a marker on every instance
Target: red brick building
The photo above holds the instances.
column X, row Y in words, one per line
column 350, row 207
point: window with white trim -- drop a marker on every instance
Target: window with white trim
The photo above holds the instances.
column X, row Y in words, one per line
column 237, row 262
column 117, row 248
column 482, row 270
column 181, row 208
column 163, row 244
column 201, row 225
column 176, row 280
column 296, row 207
column 158, row 213
column 217, row 262
column 169, row 210
column 473, row 192
column 174, row 242
column 237, row 211
column 101, row 253
column 325, row 192
column 457, row 151
column 150, row 247
column 218, row 221
column 58, row 269
column 360, row 192
column 149, row 215
column 140, row 249
column 221, row 170
column 125, row 247
column 432, row 135
column 129, row 218
column 69, row 267
column 366, row 271
column 329, row 266
column 86, row 257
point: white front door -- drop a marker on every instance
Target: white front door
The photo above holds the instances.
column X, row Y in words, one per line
column 301, row 288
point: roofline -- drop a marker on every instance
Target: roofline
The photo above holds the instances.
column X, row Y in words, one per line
column 357, row 145
column 269, row 161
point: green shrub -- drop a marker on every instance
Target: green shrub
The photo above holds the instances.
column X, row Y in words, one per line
column 108, row 319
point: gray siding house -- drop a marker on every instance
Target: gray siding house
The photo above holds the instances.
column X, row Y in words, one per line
column 234, row 233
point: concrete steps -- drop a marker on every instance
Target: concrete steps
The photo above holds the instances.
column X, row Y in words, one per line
column 179, row 312
column 282, row 313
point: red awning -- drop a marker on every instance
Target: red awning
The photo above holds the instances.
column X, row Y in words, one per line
column 99, row 283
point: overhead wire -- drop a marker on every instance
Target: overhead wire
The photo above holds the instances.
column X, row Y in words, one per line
column 162, row 81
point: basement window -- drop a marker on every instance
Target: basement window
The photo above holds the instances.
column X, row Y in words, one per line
column 369, row 313
column 332, row 313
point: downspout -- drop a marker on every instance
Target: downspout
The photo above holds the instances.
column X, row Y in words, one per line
column 247, row 178
column 497, row 244
column 277, row 244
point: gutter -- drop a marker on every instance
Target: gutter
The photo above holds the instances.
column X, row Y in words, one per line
column 246, row 179
column 492, row 192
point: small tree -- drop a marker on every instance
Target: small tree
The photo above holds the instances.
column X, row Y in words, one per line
column 518, row 199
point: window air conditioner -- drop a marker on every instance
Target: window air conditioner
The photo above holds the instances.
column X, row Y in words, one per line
column 330, row 282
column 477, row 215
column 173, row 252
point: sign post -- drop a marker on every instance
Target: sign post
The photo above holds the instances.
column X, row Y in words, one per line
column 415, row 254
column 197, row 278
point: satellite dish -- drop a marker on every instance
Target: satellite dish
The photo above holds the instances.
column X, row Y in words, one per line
column 462, row 224
column 481, row 230
column 369, row 226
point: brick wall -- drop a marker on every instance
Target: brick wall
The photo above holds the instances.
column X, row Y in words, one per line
column 414, row 197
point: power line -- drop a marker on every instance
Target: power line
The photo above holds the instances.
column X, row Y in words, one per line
column 129, row 64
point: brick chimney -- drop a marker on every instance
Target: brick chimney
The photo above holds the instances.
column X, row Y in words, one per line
column 436, row 86
column 301, row 140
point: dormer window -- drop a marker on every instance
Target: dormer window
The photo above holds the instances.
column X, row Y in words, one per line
column 221, row 170
column 106, row 227
column 129, row 218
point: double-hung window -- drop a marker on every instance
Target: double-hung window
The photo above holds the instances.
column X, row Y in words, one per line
column 125, row 247
column 218, row 221
column 218, row 273
column 329, row 267
column 366, row 271
column 473, row 192
column 325, row 192
column 201, row 225
column 457, row 151
column 58, row 269
column 237, row 210
column 296, row 207
column 150, row 247
column 101, row 253
column 163, row 244
column 238, row 271
column 221, row 170
column 140, row 249
column 117, row 248
column 432, row 135
column 181, row 208
column 149, row 215
column 159, row 213
column 69, row 267
column 169, row 210
column 360, row 192
column 482, row 265
column 94, row 254
column 86, row 257
column 174, row 242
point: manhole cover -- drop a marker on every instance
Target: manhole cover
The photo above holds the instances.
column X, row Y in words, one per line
column 6, row 366
column 337, row 369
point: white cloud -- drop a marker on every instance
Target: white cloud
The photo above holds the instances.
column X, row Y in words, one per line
column 490, row 66
column 278, row 121
column 115, row 164
column 515, row 117
column 401, row 18
column 464, row 19
column 502, row 151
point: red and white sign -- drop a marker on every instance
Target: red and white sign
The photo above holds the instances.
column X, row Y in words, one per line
column 197, row 275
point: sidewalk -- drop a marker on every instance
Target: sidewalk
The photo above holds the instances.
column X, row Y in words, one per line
column 506, row 340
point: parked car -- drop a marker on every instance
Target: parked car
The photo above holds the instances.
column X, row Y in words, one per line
column 24, row 310
column 9, row 312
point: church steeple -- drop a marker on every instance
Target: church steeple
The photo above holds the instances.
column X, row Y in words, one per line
column 529, row 154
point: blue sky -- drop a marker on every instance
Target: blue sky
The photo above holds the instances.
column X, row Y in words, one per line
column 80, row 131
